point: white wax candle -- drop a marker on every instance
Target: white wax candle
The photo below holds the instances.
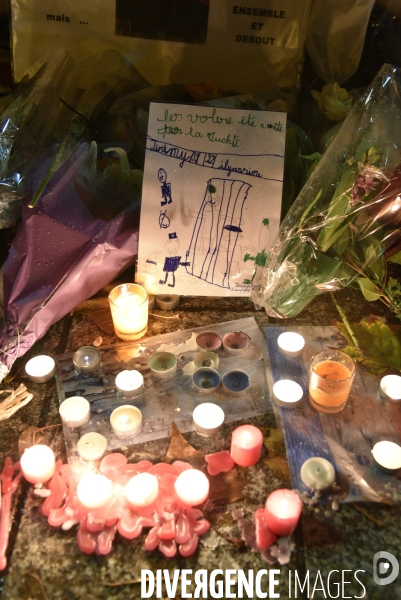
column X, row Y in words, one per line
column 387, row 455
column 38, row 463
column 129, row 310
column 287, row 393
column 75, row 411
column 142, row 490
column 390, row 388
column 41, row 368
column 126, row 421
column 129, row 383
column 92, row 446
column 291, row 344
column 208, row 418
column 94, row 490
column 317, row 473
column 192, row 487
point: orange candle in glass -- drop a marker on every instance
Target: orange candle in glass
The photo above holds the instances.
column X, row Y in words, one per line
column 332, row 373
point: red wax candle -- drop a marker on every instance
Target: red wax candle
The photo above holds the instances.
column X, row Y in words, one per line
column 282, row 511
column 246, row 445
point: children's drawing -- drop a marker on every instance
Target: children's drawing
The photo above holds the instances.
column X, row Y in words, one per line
column 172, row 262
column 165, row 187
column 164, row 221
column 215, row 250
column 261, row 257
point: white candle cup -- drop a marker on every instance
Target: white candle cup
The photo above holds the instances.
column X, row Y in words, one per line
column 129, row 310
column 86, row 359
column 208, row 418
column 390, row 388
column 92, row 446
column 287, row 393
column 192, row 487
column 142, row 490
column 167, row 302
column 206, row 359
column 126, row 421
column 94, row 490
column 291, row 344
column 38, row 463
column 317, row 473
column 75, row 412
column 162, row 365
column 387, row 455
column 129, row 383
column 41, row 368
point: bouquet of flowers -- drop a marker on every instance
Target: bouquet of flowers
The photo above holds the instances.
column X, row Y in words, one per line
column 345, row 226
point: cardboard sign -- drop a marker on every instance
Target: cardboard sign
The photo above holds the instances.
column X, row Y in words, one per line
column 245, row 46
column 211, row 198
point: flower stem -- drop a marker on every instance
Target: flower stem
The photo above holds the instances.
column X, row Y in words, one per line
column 345, row 321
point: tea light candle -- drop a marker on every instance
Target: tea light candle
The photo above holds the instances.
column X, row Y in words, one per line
column 236, row 382
column 390, row 388
column 94, row 490
column 387, row 455
column 126, row 421
column 169, row 302
column 246, row 445
column 86, row 359
column 287, row 393
column 162, row 365
column 75, row 411
column 192, row 487
column 282, row 511
column 236, row 342
column 142, row 490
column 129, row 383
column 38, row 463
column 92, row 446
column 317, row 473
column 291, row 344
column 209, row 340
column 129, row 310
column 41, row 368
column 206, row 359
column 206, row 381
column 208, row 418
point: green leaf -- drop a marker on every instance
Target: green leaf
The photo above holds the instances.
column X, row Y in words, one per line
column 396, row 258
column 375, row 261
column 368, row 289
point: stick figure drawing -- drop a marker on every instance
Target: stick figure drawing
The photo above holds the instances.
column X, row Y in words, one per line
column 172, row 262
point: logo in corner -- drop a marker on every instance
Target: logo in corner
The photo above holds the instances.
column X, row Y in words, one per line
column 382, row 561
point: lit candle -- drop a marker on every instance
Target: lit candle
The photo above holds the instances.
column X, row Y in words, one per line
column 287, row 393
column 390, row 388
column 387, row 455
column 162, row 365
column 41, row 368
column 86, row 359
column 94, row 490
column 129, row 310
column 129, row 383
column 246, row 445
column 75, row 411
column 317, row 473
column 142, row 490
column 38, row 463
column 332, row 373
column 208, row 418
column 92, row 446
column 126, row 421
column 192, row 487
column 291, row 344
column 282, row 511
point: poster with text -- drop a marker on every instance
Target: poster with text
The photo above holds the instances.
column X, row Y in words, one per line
column 211, row 198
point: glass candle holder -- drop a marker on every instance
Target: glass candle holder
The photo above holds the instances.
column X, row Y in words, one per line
column 332, row 373
column 129, row 310
column 86, row 359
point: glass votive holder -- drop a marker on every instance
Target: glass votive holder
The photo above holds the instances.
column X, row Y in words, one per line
column 332, row 373
column 129, row 310
column 86, row 359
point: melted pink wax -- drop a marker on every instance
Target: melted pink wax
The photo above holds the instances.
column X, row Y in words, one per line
column 8, row 487
column 174, row 527
column 219, row 462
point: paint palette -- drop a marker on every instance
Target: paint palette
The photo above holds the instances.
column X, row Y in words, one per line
column 164, row 401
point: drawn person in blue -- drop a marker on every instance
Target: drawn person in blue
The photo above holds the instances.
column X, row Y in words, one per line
column 172, row 262
column 165, row 187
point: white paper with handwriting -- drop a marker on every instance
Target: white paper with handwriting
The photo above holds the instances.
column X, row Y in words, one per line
column 211, row 198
